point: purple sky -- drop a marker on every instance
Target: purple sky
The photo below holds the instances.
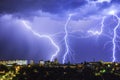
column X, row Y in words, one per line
column 48, row 17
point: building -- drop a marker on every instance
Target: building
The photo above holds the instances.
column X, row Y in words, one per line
column 11, row 62
column 41, row 63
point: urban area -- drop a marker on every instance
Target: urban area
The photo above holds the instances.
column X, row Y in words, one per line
column 47, row 70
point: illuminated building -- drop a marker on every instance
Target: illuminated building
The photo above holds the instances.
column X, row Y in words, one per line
column 41, row 63
column 11, row 62
column 31, row 62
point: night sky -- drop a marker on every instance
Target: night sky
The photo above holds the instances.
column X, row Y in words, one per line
column 48, row 17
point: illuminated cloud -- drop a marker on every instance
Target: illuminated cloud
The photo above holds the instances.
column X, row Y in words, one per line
column 101, row 1
column 49, row 17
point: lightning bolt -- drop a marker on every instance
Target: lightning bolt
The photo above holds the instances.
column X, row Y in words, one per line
column 101, row 28
column 115, row 37
column 66, row 38
column 43, row 36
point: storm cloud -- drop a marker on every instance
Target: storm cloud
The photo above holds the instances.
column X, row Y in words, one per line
column 28, row 6
column 49, row 17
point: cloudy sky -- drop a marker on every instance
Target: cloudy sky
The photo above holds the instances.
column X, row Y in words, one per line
column 48, row 17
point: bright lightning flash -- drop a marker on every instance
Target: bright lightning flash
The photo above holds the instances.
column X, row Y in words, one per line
column 101, row 28
column 112, row 12
column 96, row 33
column 66, row 38
column 43, row 36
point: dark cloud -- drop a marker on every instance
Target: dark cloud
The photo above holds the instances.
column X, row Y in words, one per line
column 103, row 5
column 115, row 1
column 26, row 6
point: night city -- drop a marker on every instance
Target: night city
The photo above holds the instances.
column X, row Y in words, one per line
column 59, row 39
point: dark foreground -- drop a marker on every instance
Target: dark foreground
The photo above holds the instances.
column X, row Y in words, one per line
column 86, row 71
